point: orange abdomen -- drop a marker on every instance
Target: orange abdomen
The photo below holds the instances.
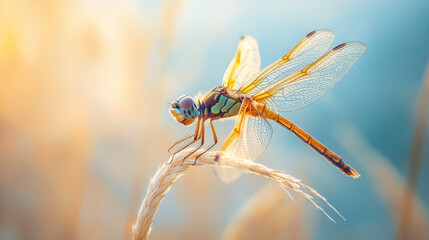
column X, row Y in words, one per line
column 333, row 158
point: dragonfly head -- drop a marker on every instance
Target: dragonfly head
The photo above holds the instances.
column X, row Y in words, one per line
column 184, row 110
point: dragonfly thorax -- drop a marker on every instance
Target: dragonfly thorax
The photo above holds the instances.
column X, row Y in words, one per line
column 184, row 110
column 221, row 103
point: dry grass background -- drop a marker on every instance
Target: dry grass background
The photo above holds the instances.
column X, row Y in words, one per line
column 282, row 219
column 79, row 141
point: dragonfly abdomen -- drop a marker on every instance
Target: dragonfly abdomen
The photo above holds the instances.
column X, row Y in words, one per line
column 333, row 158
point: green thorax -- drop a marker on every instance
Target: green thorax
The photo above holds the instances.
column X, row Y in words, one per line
column 221, row 102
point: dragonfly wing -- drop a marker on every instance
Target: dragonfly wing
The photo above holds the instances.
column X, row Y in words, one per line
column 248, row 140
column 313, row 82
column 245, row 64
column 308, row 50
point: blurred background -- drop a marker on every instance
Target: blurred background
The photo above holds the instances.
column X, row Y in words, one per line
column 84, row 121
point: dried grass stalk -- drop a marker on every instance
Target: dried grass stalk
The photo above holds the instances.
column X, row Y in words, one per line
column 406, row 220
column 168, row 173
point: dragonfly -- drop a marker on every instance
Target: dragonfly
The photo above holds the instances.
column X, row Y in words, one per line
column 299, row 78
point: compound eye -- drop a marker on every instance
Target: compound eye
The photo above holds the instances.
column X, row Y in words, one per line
column 186, row 103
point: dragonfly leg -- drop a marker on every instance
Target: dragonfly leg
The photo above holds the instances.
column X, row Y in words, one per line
column 181, row 140
column 201, row 144
column 196, row 138
column 215, row 141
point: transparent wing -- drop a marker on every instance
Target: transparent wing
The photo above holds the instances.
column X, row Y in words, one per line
column 248, row 140
column 313, row 82
column 308, row 50
column 245, row 64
